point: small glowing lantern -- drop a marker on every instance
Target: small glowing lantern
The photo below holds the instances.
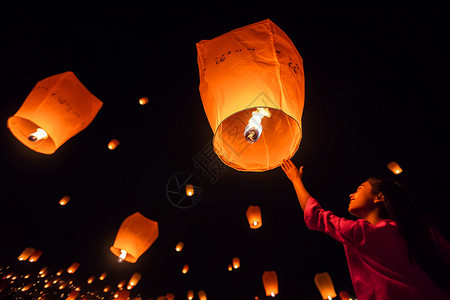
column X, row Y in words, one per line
column 190, row 294
column 122, row 295
column 113, row 144
column 230, row 267
column 185, row 269
column 236, row 262
column 252, row 89
column 344, row 295
column 143, row 101
column 201, row 295
column 270, row 281
column 134, row 279
column 90, row 279
column 135, row 236
column 35, row 256
column 57, row 108
column 179, row 246
column 26, row 253
column 103, row 276
column 59, row 272
column 26, row 288
column 394, row 167
column 64, row 200
column 63, row 285
column 121, row 284
column 107, row 288
column 325, row 285
column 73, row 295
column 73, row 268
column 189, row 189
column 254, row 216
column 43, row 270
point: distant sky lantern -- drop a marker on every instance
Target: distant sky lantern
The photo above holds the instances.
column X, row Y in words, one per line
column 270, row 281
column 90, row 279
column 26, row 253
column 113, row 144
column 35, row 256
column 43, row 270
column 189, row 189
column 202, row 295
column 107, row 288
column 122, row 295
column 236, row 262
column 122, row 284
column 179, row 246
column 252, row 89
column 73, row 267
column 73, row 295
column 170, row 296
column 394, row 167
column 190, row 294
column 254, row 216
column 185, row 269
column 134, row 279
column 59, row 272
column 26, row 288
column 135, row 236
column 57, row 109
column 325, row 285
column 64, row 200
column 230, row 267
column 143, row 101
column 103, row 276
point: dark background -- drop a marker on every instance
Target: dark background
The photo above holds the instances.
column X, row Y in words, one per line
column 374, row 93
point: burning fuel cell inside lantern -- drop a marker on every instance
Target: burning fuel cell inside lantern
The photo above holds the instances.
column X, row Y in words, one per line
column 254, row 128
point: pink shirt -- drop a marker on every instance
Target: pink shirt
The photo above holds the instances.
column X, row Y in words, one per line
column 377, row 257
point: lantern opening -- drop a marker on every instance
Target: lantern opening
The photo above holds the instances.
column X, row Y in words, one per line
column 122, row 256
column 39, row 134
column 254, row 128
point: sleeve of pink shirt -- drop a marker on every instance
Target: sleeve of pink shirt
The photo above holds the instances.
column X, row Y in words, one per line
column 345, row 231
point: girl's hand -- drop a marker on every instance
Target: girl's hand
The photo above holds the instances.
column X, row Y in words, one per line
column 291, row 171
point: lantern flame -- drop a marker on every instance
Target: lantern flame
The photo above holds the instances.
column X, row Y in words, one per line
column 122, row 256
column 40, row 134
column 254, row 128
column 272, row 294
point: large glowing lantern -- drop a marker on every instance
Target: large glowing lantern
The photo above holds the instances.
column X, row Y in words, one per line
column 254, row 216
column 73, row 267
column 270, row 281
column 252, row 89
column 190, row 294
column 394, row 167
column 236, row 262
column 325, row 285
column 57, row 108
column 26, row 253
column 135, row 236
column 201, row 295
column 35, row 256
column 134, row 280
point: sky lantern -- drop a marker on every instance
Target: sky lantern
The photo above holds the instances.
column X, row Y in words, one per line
column 57, row 109
column 43, row 270
column 189, row 190
column 254, row 216
column 394, row 167
column 252, row 89
column 230, row 267
column 179, row 246
column 73, row 267
column 26, row 253
column 270, row 281
column 26, row 288
column 134, row 279
column 236, row 262
column 170, row 296
column 325, row 285
column 135, row 236
column 107, row 288
column 73, row 295
column 35, row 256
column 121, row 284
column 190, row 294
column 113, row 144
column 59, row 272
column 201, row 295
column 122, row 295
column 185, row 269
column 90, row 279
column 64, row 200
column 344, row 295
column 143, row 100
column 103, row 276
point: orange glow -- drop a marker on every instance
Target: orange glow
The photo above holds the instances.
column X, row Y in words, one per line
column 26, row 288
column 73, row 295
column 113, row 144
column 201, row 295
column 73, row 268
column 236, row 262
column 325, row 285
column 170, row 296
column 190, row 294
column 185, row 269
column 252, row 78
column 136, row 234
column 394, row 167
column 26, row 254
column 103, row 276
column 143, row 101
column 189, row 189
column 35, row 256
column 43, row 270
column 90, row 279
column 134, row 280
column 254, row 217
column 344, row 295
column 47, row 285
column 60, row 106
column 230, row 267
column 64, row 200
column 121, row 284
column 59, row 272
column 179, row 246
column 270, row 281
column 107, row 288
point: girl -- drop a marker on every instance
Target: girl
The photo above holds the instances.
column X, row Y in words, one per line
column 391, row 253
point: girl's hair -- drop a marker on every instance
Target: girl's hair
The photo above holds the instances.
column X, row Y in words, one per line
column 413, row 225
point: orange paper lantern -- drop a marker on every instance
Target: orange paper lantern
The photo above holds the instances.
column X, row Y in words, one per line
column 190, row 294
column 179, row 246
column 64, row 200
column 73, row 295
column 254, row 216
column 103, row 276
column 201, row 295
column 121, row 284
column 26, row 288
column 73, row 267
column 113, row 144
column 35, row 256
column 90, row 279
column 325, row 285
column 185, row 269
column 60, row 106
column 26, row 253
column 143, row 101
column 134, row 280
column 170, row 296
column 236, row 262
column 270, row 281
column 252, row 89
column 344, row 295
column 107, row 288
column 135, row 236
column 394, row 167
column 122, row 295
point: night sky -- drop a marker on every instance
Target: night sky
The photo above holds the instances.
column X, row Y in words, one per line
column 374, row 93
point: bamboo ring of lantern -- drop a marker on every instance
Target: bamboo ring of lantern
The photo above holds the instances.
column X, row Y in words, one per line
column 136, row 234
column 252, row 89
column 56, row 109
column 184, row 190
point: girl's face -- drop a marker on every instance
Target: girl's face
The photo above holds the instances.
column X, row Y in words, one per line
column 362, row 201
